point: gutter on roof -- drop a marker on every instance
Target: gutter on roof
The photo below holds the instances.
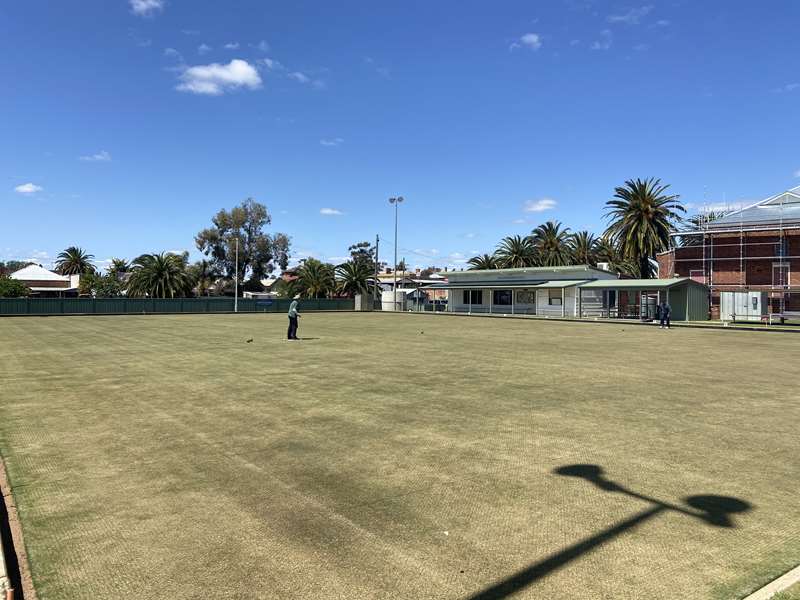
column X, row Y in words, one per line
column 730, row 230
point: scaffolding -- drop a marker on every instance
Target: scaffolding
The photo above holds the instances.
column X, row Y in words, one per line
column 753, row 239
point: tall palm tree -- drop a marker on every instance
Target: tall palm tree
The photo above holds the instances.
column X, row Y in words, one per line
column 288, row 289
column 584, row 248
column 552, row 244
column 353, row 277
column 74, row 261
column 482, row 262
column 317, row 279
column 516, row 251
column 642, row 216
column 158, row 276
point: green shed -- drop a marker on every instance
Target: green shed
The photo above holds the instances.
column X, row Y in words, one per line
column 688, row 299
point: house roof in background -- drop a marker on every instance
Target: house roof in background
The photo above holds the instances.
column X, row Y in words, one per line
column 37, row 273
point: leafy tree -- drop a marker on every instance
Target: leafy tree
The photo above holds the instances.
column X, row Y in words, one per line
column 516, row 251
column 584, row 248
column 159, row 276
column 482, row 262
column 401, row 266
column 316, row 279
column 12, row 266
column 427, row 272
column 260, row 253
column 100, row 286
column 552, row 244
column 363, row 253
column 353, row 278
column 74, row 261
column 11, row 288
column 642, row 216
column 288, row 288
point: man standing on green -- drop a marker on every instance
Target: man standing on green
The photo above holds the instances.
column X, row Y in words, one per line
column 293, row 316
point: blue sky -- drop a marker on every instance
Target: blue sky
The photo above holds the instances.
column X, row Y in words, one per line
column 126, row 124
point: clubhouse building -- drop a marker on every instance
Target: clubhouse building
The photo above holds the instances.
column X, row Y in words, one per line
column 572, row 291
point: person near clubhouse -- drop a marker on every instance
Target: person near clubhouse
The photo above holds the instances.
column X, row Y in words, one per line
column 664, row 310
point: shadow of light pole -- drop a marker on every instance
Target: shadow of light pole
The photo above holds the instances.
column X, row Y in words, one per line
column 713, row 510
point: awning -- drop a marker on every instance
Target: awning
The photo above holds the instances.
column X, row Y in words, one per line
column 562, row 283
column 638, row 284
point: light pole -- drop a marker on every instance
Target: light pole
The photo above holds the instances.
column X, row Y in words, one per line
column 236, row 280
column 396, row 201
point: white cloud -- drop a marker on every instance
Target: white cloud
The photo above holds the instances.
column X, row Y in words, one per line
column 541, row 205
column 331, row 141
column 604, row 43
column 172, row 53
column 232, row 46
column 28, row 188
column 263, row 46
column 330, row 212
column 641, row 47
column 519, row 221
column 633, row 17
column 216, row 79
column 271, row 64
column 146, row 8
column 299, row 77
column 789, row 87
column 204, row 49
column 338, row 259
column 797, row 173
column 101, row 156
column 663, row 23
column 529, row 40
column 574, row 42
column 470, row 236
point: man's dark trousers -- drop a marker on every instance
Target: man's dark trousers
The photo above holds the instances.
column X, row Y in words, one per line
column 292, row 328
column 664, row 319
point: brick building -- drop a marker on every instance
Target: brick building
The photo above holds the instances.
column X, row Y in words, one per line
column 754, row 251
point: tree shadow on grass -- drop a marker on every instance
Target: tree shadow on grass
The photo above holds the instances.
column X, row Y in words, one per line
column 711, row 510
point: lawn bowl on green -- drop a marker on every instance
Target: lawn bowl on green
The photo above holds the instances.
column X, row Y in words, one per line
column 158, row 457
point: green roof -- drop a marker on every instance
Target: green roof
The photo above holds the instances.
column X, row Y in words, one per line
column 638, row 284
column 560, row 269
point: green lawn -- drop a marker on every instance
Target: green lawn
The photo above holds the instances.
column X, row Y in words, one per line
column 162, row 457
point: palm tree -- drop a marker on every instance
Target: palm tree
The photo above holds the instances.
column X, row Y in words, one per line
column 642, row 216
column 552, row 244
column 516, row 251
column 354, row 277
column 698, row 222
column 482, row 262
column 159, row 276
column 74, row 261
column 202, row 276
column 118, row 267
column 288, row 288
column 584, row 248
column 316, row 278
column 607, row 252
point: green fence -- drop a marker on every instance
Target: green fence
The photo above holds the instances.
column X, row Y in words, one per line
column 146, row 306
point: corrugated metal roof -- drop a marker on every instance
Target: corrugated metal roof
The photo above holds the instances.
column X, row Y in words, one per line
column 507, row 284
column 783, row 207
column 37, row 273
column 638, row 284
column 565, row 283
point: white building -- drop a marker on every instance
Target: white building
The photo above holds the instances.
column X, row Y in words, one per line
column 47, row 283
column 547, row 291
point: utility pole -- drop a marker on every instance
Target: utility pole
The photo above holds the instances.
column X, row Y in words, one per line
column 236, row 280
column 377, row 266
